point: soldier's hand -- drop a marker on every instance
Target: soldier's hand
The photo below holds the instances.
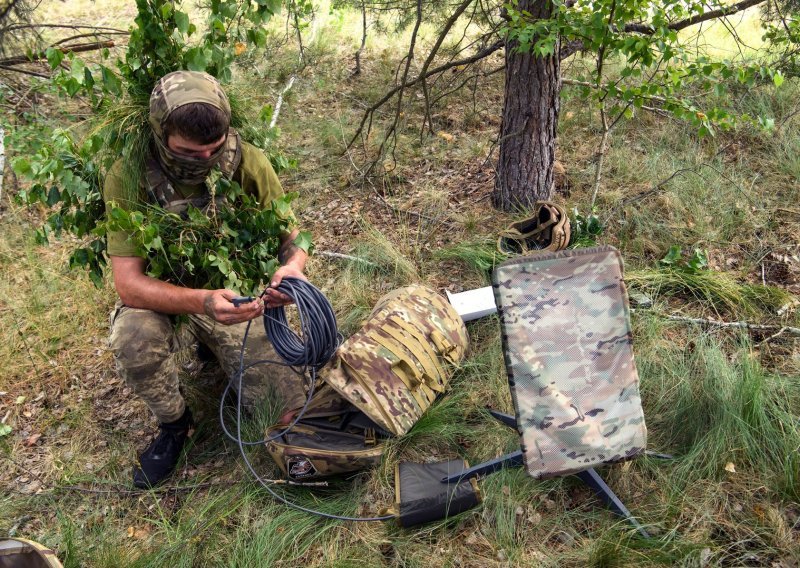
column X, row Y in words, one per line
column 273, row 297
column 218, row 306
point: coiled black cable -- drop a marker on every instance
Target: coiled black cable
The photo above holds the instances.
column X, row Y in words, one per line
column 304, row 353
column 320, row 338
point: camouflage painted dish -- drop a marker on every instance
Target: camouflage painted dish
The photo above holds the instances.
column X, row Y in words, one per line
column 567, row 343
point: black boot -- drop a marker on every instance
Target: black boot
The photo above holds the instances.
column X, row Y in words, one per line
column 158, row 461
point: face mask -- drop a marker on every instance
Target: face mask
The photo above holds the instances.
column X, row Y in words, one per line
column 187, row 169
column 172, row 91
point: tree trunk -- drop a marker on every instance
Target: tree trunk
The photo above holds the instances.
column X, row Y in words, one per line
column 530, row 116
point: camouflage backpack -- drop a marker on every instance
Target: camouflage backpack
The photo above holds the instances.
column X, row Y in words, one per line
column 379, row 383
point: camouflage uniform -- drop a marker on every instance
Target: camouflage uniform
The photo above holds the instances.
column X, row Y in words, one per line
column 567, row 344
column 144, row 343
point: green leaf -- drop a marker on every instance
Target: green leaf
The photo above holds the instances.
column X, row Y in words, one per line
column 282, row 208
column 21, row 166
column 53, row 196
column 72, row 86
column 266, row 114
column 777, row 78
column 79, row 258
column 111, row 82
column 76, row 68
column 672, row 257
column 96, row 276
column 88, row 79
column 766, row 123
column 182, row 22
column 5, row 430
column 303, row 240
column 197, row 59
column 698, row 261
column 54, row 56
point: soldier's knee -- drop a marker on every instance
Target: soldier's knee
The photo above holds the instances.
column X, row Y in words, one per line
column 140, row 338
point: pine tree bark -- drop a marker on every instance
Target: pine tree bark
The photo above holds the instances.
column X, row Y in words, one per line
column 530, row 117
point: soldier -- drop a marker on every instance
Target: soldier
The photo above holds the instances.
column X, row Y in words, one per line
column 190, row 119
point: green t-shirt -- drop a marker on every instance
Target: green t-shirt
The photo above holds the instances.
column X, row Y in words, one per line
column 255, row 175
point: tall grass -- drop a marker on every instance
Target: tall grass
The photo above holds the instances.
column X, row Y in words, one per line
column 478, row 256
column 377, row 259
column 715, row 411
column 718, row 291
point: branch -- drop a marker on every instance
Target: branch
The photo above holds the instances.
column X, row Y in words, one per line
column 24, row 71
column 357, row 70
column 570, row 48
column 739, row 324
column 17, row 27
column 21, row 59
column 89, row 34
column 2, row 161
column 409, row 58
column 5, row 9
column 279, row 103
column 445, row 30
column 300, row 68
column 466, row 61
column 712, row 15
column 576, row 83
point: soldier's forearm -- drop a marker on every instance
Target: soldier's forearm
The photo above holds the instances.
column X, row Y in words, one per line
column 137, row 290
column 290, row 253
column 166, row 298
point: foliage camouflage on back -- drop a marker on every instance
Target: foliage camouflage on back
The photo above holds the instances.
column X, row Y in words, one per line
column 567, row 344
column 403, row 357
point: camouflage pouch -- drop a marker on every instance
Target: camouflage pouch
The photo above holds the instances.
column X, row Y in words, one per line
column 319, row 447
column 567, row 345
column 403, row 357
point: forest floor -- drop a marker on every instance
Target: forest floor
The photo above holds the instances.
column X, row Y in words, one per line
column 724, row 401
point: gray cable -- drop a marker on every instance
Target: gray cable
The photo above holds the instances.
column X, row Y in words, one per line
column 305, row 354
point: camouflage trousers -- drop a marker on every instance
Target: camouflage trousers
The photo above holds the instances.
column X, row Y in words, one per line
column 145, row 343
